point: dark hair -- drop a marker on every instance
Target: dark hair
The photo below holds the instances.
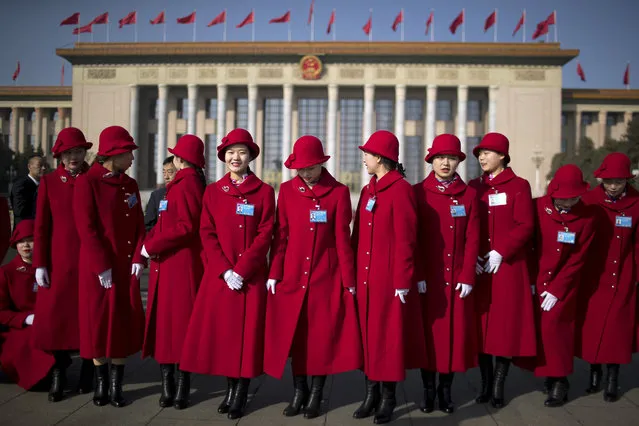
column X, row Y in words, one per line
column 168, row 160
column 101, row 159
column 393, row 165
column 201, row 175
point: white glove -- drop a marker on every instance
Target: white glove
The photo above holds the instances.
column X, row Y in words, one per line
column 549, row 301
column 421, row 287
column 29, row 319
column 532, row 289
column 42, row 277
column 401, row 293
column 106, row 278
column 478, row 268
column 270, row 285
column 144, row 253
column 233, row 280
column 136, row 269
column 494, row 260
column 352, row 290
column 465, row 289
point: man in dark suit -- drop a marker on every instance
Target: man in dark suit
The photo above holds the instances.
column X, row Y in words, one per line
column 24, row 192
column 153, row 206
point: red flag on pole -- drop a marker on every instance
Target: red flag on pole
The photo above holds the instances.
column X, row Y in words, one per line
column 457, row 22
column 490, row 21
column 398, row 20
column 188, row 19
column 580, row 72
column 331, row 21
column 85, row 29
column 626, row 75
column 158, row 19
column 71, row 20
column 429, row 22
column 130, row 19
column 282, row 19
column 520, row 24
column 16, row 73
column 551, row 19
column 219, row 19
column 248, row 20
column 542, row 29
column 310, row 12
column 369, row 25
column 101, row 19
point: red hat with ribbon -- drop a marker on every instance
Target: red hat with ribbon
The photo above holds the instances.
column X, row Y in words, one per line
column 191, row 149
column 384, row 144
column 23, row 230
column 568, row 182
column 68, row 139
column 494, row 142
column 238, row 136
column 445, row 144
column 115, row 140
column 307, row 152
column 615, row 166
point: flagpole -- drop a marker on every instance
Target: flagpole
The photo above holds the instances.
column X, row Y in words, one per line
column 194, row 24
column 108, row 24
column 628, row 69
column 253, row 25
column 432, row 24
column 334, row 28
column 370, row 32
column 313, row 26
column 224, row 37
column 555, row 14
column 91, row 34
column 402, row 12
column 463, row 25
column 289, row 29
column 495, row 29
column 164, row 36
column 523, row 37
column 135, row 30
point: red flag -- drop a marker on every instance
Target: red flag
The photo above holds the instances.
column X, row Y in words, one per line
column 457, row 22
column 158, row 19
column 626, row 75
column 62, row 75
column 580, row 72
column 101, row 19
column 219, row 19
column 331, row 21
column 490, row 21
column 16, row 73
column 248, row 20
column 369, row 25
column 85, row 29
column 521, row 23
column 542, row 29
column 551, row 18
column 282, row 19
column 398, row 20
column 188, row 19
column 72, row 20
column 429, row 22
column 129, row 19
column 310, row 12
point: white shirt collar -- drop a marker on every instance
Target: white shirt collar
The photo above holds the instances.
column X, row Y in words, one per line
column 34, row 181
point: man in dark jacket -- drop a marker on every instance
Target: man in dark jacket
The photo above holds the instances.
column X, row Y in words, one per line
column 153, row 206
column 24, row 192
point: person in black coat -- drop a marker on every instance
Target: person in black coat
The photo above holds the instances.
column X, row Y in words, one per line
column 153, row 206
column 24, row 192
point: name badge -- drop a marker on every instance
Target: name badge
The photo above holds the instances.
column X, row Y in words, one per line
column 163, row 205
column 458, row 211
column 245, row 209
column 497, row 199
column 35, row 287
column 319, row 216
column 132, row 200
column 370, row 204
column 566, row 237
column 623, row 222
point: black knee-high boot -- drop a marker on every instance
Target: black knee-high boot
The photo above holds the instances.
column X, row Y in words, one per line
column 101, row 393
column 183, row 390
column 430, row 391
column 240, row 396
column 59, row 376
column 486, row 370
column 611, row 394
column 300, row 396
column 370, row 402
column 444, row 392
column 314, row 404
column 387, row 405
column 224, row 407
column 558, row 394
column 596, row 372
column 87, row 374
column 168, row 385
column 117, row 375
column 501, row 371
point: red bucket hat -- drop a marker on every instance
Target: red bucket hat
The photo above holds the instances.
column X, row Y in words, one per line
column 568, row 182
column 24, row 229
column 115, row 140
column 615, row 166
column 384, row 144
column 445, row 144
column 307, row 152
column 494, row 142
column 236, row 136
column 68, row 139
column 191, row 149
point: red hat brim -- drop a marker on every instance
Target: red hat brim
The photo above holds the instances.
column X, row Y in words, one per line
column 86, row 146
column 456, row 153
column 295, row 164
column 374, row 152
column 118, row 150
column 198, row 162
column 570, row 192
column 479, row 148
column 253, row 148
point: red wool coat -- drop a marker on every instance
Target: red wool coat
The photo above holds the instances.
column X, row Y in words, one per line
column 176, row 271
column 5, row 227
column 22, row 363
column 607, row 301
column 385, row 241
column 561, row 268
column 503, row 300
column 57, row 306
column 312, row 314
column 226, row 331
column 110, row 224
column 447, row 253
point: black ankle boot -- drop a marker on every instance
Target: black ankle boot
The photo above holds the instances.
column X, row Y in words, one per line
column 183, row 390
column 371, row 400
column 224, row 407
column 487, row 377
column 117, row 375
column 87, row 374
column 101, row 393
column 548, row 382
column 300, row 396
column 238, row 400
column 58, row 382
column 387, row 405
column 558, row 395
column 430, row 391
column 314, row 404
column 168, row 385
column 501, row 371
column 611, row 394
column 444, row 392
column 596, row 372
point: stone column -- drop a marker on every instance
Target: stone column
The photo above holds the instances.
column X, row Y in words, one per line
column 578, row 129
column 431, row 121
column 492, row 108
column 163, row 94
column 400, row 118
column 462, row 104
column 13, row 128
column 369, row 111
column 627, row 118
column 331, row 128
column 134, row 109
column 220, row 169
column 286, row 130
column 36, row 128
column 192, row 107
column 252, row 116
column 603, row 125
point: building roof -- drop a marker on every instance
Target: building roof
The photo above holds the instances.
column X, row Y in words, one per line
column 39, row 93
column 581, row 95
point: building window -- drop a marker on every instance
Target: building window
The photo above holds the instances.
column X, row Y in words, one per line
column 414, row 110
column 152, row 159
column 312, row 117
column 413, row 161
column 32, row 116
column 444, row 110
column 564, row 144
column 211, row 108
column 351, row 113
column 211, row 157
column 564, row 119
column 474, row 111
column 178, row 136
column 241, row 113
column 587, row 118
column 183, row 108
column 472, row 167
column 53, row 115
column 32, row 141
column 153, row 109
column 384, row 114
column 612, row 119
column 273, row 129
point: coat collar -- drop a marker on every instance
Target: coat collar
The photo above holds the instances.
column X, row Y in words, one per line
column 65, row 176
column 433, row 185
column 21, row 266
column 251, row 184
column 99, row 171
column 575, row 213
column 500, row 179
column 631, row 197
column 179, row 176
column 375, row 186
column 325, row 184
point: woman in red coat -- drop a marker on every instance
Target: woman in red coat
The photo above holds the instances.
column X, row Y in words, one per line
column 22, row 363
column 385, row 238
column 176, row 269
column 448, row 244
column 608, row 302
column 311, row 310
column 226, row 331
column 565, row 230
column 502, row 295
column 57, row 329
column 110, row 224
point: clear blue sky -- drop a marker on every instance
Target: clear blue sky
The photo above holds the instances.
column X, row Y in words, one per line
column 606, row 32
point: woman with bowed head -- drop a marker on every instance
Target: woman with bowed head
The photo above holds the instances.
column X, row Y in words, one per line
column 607, row 301
column 226, row 331
column 110, row 224
column 174, row 247
column 384, row 240
column 21, row 362
column 448, row 242
column 58, row 329
column 503, row 293
column 311, row 310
